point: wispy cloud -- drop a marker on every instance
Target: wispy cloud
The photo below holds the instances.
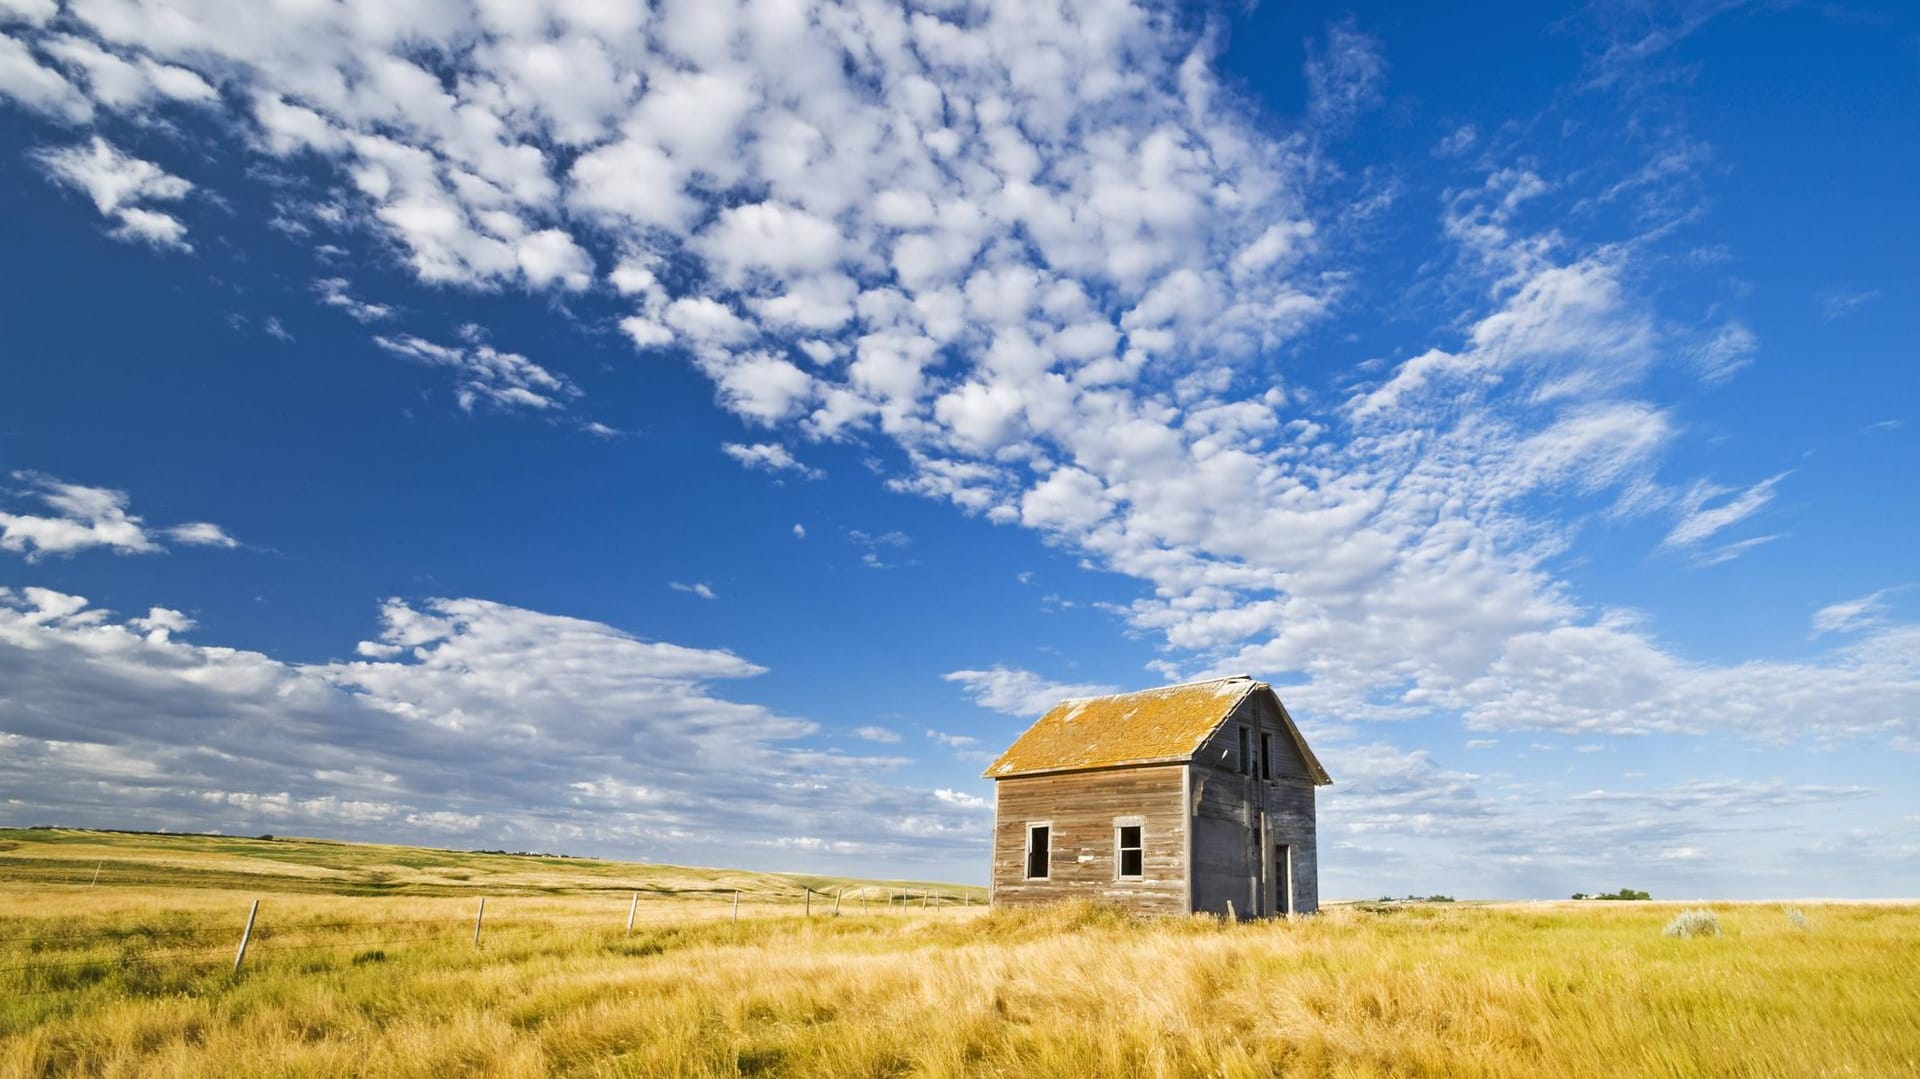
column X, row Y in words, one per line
column 1020, row 693
column 1729, row 349
column 698, row 588
column 876, row 543
column 770, row 457
column 1346, row 72
column 1853, row 614
column 85, row 518
column 1701, row 520
column 333, row 292
column 1838, row 303
column 485, row 375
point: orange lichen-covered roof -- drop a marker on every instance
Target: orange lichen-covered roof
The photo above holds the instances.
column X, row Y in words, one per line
column 1164, row 724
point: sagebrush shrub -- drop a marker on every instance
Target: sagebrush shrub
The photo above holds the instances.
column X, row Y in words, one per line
column 1693, row 923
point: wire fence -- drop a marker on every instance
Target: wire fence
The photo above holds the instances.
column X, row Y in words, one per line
column 200, row 949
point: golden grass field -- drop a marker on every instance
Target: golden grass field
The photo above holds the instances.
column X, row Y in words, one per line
column 131, row 977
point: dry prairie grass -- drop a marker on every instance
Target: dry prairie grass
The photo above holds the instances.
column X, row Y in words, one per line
column 1548, row 990
column 297, row 865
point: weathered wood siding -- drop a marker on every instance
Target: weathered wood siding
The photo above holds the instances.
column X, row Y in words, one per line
column 1083, row 808
column 1238, row 819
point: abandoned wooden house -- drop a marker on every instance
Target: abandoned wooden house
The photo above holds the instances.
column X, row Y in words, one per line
column 1195, row 797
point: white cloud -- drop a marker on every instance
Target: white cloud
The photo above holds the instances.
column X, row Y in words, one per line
column 769, row 236
column 645, row 332
column 35, row 12
column 1020, row 693
column 551, row 256
column 1721, row 796
column 961, row 799
column 877, row 734
column 1458, row 141
column 699, row 588
column 115, row 82
column 770, row 457
column 1345, row 74
column 201, row 534
column 333, row 292
column 90, row 517
column 876, row 544
column 87, row 517
column 799, row 531
column 708, row 321
column 1611, row 678
column 118, row 183
column 1866, row 612
column 1726, row 352
column 491, row 725
column 38, row 87
column 1838, row 303
column 1700, row 521
column 487, row 376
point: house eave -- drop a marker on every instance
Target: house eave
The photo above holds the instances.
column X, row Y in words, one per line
column 1068, row 770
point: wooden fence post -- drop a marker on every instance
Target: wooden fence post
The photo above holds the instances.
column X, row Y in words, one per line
column 924, row 896
column 245, row 935
column 482, row 913
column 836, row 902
column 736, row 906
column 809, row 892
column 631, row 911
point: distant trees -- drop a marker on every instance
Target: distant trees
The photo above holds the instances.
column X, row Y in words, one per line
column 1624, row 893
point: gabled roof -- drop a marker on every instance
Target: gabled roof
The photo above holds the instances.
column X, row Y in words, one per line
column 1163, row 725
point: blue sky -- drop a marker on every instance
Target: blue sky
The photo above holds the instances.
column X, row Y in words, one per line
column 709, row 433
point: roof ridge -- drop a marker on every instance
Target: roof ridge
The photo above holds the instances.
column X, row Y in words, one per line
column 1169, row 685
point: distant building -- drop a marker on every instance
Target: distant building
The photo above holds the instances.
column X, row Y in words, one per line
column 1177, row 799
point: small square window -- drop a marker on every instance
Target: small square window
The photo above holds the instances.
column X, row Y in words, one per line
column 1130, row 850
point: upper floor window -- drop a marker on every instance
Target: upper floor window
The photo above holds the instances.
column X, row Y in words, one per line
column 1039, row 850
column 1266, row 755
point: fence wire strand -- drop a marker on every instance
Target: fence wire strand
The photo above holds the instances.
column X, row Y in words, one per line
column 277, row 940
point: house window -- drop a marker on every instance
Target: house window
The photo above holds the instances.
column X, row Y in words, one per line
column 1266, row 755
column 1129, row 850
column 1039, row 850
column 1246, row 752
